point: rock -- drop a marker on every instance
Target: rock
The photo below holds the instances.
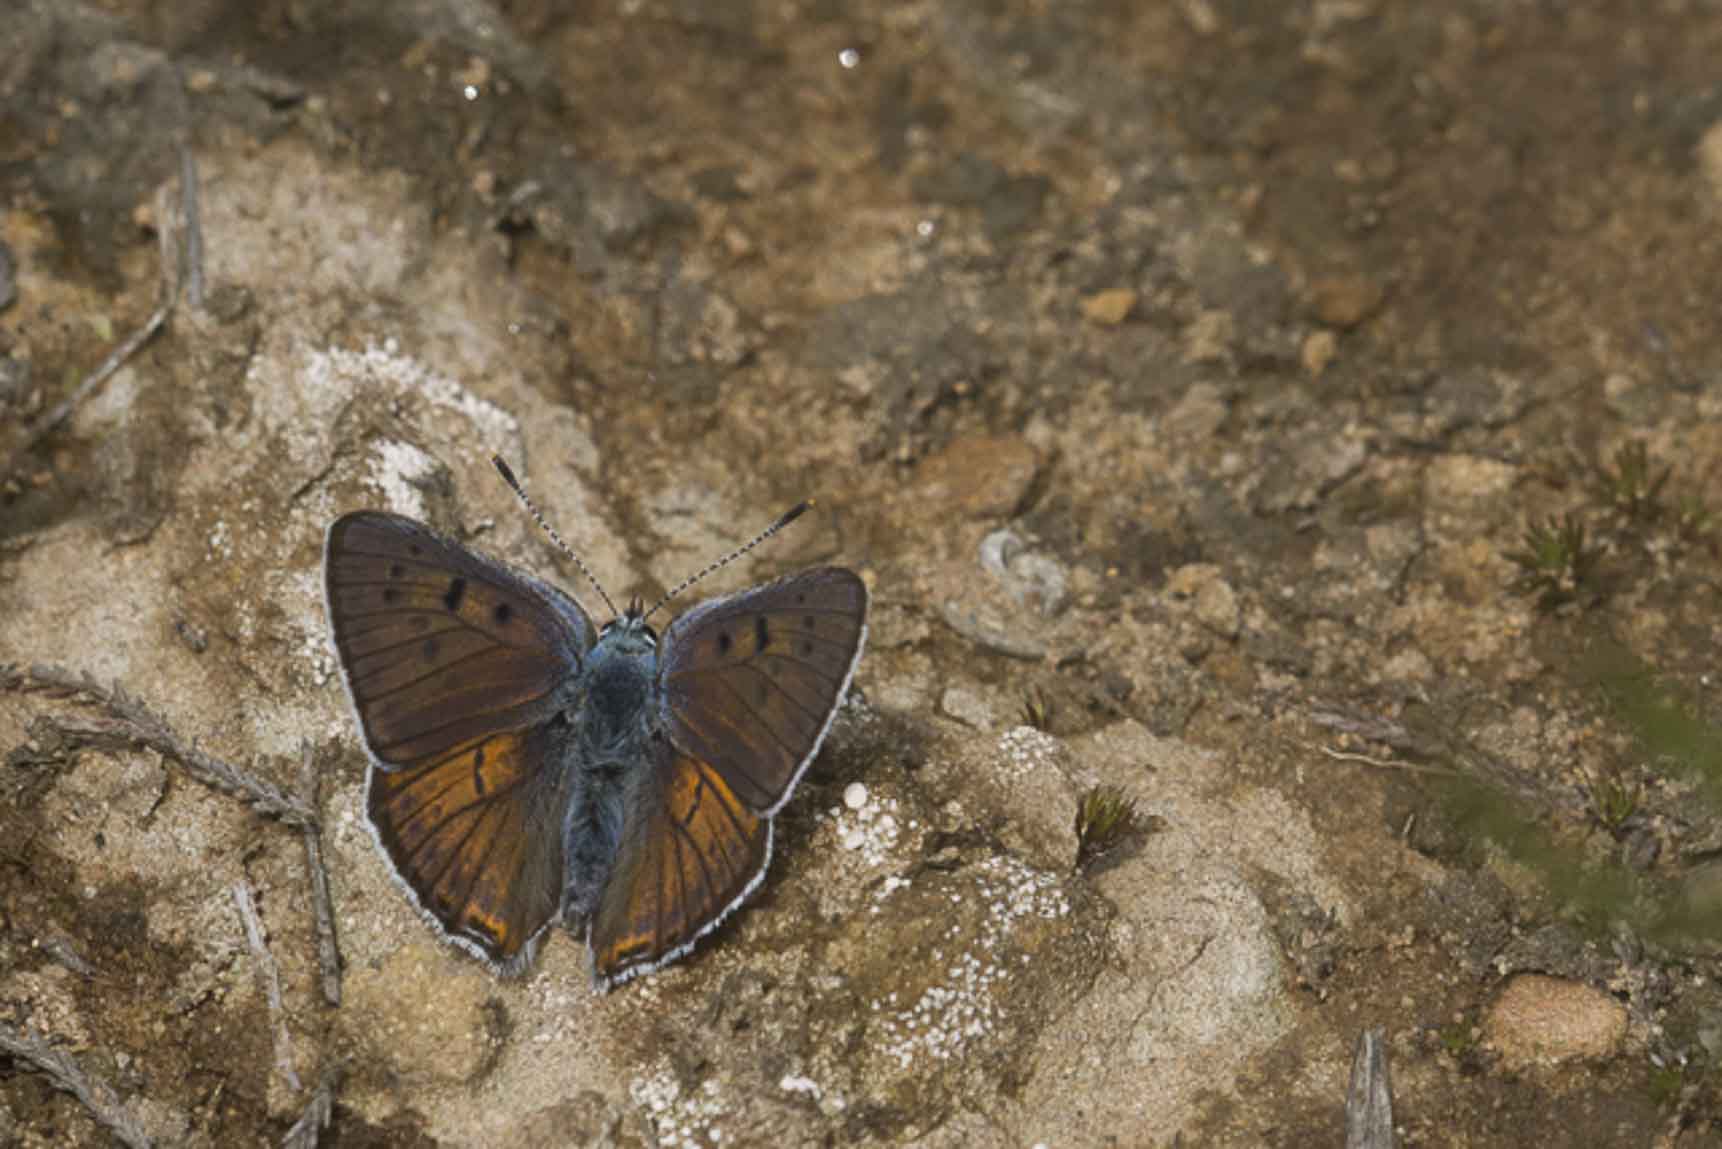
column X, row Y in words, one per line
column 992, row 630
column 967, row 706
column 1199, row 961
column 981, row 477
column 1031, row 579
column 1319, row 348
column 1212, row 599
column 1344, row 301
column 1709, row 155
column 1109, row 308
column 1538, row 1020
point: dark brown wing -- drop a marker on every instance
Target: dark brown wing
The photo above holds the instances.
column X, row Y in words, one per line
column 455, row 666
column 474, row 836
column 750, row 681
column 691, row 852
column 438, row 645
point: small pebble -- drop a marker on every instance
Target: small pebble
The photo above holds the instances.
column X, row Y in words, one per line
column 855, row 795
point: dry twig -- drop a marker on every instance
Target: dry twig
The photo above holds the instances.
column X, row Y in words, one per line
column 1369, row 1101
column 192, row 276
column 315, row 1116
column 129, row 721
column 1382, row 763
column 57, row 1066
column 270, row 974
column 328, row 950
column 167, row 298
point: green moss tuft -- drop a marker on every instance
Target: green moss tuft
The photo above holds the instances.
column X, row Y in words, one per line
column 1105, row 819
column 1556, row 562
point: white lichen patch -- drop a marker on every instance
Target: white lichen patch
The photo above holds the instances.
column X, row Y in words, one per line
column 885, row 889
column 868, row 831
column 795, row 1083
column 399, row 471
column 1023, row 749
column 348, row 372
column 961, row 1005
column 680, row 1117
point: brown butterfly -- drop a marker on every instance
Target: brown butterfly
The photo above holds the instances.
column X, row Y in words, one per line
column 526, row 770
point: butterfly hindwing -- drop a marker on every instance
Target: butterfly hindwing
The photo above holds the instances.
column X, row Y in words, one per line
column 474, row 835
column 749, row 682
column 437, row 645
column 691, row 851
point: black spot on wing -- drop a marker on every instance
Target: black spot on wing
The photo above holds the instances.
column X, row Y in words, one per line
column 456, row 592
column 502, row 613
column 761, row 633
column 724, row 642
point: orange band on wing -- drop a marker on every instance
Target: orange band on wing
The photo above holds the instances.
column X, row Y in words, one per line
column 688, row 861
column 457, row 830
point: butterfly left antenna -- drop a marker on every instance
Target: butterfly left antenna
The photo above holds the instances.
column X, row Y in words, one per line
column 783, row 520
column 520, row 493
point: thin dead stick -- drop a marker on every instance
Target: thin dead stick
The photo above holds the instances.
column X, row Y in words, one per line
column 271, row 976
column 97, row 1096
column 192, row 274
column 314, row 1118
column 1382, row 763
column 168, row 296
column 328, row 948
column 1369, row 1101
column 131, row 722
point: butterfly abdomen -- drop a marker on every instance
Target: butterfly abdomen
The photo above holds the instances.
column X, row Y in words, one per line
column 592, row 829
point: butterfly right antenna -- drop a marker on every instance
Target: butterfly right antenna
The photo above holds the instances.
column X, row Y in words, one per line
column 783, row 520
column 520, row 493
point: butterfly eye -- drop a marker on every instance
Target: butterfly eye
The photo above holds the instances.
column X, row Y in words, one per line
column 651, row 635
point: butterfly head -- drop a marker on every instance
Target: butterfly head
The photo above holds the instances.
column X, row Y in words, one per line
column 629, row 632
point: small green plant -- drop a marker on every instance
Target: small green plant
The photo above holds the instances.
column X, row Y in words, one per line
column 1460, row 1039
column 1692, row 517
column 1636, row 485
column 1105, row 818
column 1036, row 708
column 1556, row 561
column 1666, row 1085
column 1614, row 798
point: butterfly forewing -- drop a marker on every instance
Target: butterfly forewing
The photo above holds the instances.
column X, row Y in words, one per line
column 750, row 681
column 473, row 833
column 690, row 853
column 438, row 646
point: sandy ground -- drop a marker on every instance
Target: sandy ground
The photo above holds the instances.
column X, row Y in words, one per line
column 1303, row 421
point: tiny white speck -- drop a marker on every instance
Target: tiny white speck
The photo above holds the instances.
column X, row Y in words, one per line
column 855, row 795
column 849, row 57
column 793, row 1083
column 470, row 92
column 925, row 229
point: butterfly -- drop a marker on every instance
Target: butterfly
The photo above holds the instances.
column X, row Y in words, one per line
column 528, row 768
